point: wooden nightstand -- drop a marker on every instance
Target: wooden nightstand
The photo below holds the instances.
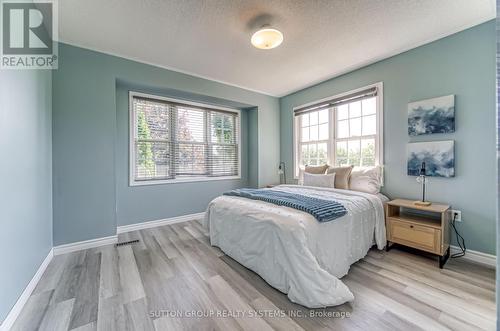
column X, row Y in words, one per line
column 422, row 227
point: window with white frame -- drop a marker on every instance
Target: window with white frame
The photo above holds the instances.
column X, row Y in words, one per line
column 314, row 137
column 173, row 140
column 341, row 130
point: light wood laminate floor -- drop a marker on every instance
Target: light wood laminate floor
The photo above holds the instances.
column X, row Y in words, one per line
column 173, row 272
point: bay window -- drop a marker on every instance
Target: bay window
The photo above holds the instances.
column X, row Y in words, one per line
column 174, row 140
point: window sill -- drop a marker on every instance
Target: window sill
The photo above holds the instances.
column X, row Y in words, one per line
column 180, row 180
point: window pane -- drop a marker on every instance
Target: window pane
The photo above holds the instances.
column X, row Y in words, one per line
column 323, row 116
column 368, row 152
column 190, row 159
column 343, row 129
column 341, row 162
column 369, row 106
column 313, row 132
column 343, row 112
column 355, row 127
column 228, row 122
column 322, row 153
column 313, row 152
column 217, row 134
column 304, row 120
column 355, row 109
column 305, row 135
column 313, row 118
column 323, row 132
column 152, row 120
column 354, row 155
column 228, row 136
column 341, row 153
column 303, row 155
column 369, row 125
column 224, row 160
column 152, row 160
column 222, row 128
column 190, row 125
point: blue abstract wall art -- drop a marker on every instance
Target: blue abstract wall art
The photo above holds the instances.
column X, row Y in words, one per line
column 435, row 115
column 439, row 158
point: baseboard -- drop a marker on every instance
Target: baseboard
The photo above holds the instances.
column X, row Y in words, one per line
column 475, row 256
column 81, row 245
column 23, row 298
column 152, row 224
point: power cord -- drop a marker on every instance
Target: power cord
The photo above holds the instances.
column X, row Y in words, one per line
column 459, row 237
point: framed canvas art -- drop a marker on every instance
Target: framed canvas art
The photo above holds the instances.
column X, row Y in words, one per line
column 429, row 116
column 439, row 158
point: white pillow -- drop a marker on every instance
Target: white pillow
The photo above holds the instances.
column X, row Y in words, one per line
column 319, row 180
column 366, row 179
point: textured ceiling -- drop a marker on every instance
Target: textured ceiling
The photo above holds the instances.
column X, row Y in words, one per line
column 211, row 38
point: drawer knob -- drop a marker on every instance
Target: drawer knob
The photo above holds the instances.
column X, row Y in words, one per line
column 411, row 226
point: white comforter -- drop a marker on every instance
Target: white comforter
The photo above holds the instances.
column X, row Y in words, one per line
column 290, row 249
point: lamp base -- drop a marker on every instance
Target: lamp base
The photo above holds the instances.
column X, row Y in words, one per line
column 422, row 203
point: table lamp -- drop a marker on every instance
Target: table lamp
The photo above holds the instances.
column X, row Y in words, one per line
column 422, row 180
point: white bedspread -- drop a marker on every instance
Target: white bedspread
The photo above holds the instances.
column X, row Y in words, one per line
column 290, row 249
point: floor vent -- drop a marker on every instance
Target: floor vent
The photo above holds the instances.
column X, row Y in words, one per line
column 127, row 243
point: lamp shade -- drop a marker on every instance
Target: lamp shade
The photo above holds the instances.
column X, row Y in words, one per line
column 267, row 38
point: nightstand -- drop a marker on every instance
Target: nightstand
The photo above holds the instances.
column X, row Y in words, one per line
column 426, row 228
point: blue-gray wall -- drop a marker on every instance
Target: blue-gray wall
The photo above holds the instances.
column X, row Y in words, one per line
column 91, row 196
column 462, row 64
column 26, row 187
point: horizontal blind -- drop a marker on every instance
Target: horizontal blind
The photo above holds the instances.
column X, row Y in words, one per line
column 152, row 139
column 335, row 102
column 175, row 140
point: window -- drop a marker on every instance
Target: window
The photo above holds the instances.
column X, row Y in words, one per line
column 341, row 130
column 173, row 141
column 314, row 137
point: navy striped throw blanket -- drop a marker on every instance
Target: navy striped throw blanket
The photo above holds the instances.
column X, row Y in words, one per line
column 322, row 210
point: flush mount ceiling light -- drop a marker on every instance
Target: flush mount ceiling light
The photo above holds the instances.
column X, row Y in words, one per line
column 267, row 38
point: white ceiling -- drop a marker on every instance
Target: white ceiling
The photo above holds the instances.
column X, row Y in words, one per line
column 211, row 38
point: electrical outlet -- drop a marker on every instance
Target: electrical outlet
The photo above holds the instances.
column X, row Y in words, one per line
column 458, row 213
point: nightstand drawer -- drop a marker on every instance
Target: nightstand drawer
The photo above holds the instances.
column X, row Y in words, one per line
column 418, row 236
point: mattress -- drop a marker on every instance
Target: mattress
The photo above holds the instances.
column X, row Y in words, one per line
column 290, row 249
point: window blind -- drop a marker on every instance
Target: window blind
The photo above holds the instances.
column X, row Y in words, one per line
column 338, row 101
column 174, row 140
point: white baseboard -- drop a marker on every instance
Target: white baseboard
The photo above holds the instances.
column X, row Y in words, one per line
column 475, row 256
column 81, row 245
column 16, row 309
column 152, row 224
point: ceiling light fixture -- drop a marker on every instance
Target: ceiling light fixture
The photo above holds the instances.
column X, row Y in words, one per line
column 267, row 38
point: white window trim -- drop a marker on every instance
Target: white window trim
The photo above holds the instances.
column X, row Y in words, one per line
column 131, row 142
column 379, row 150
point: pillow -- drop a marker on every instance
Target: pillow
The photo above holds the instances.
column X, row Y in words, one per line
column 318, row 170
column 319, row 180
column 366, row 179
column 341, row 176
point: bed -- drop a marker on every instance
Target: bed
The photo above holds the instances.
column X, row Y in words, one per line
column 290, row 249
